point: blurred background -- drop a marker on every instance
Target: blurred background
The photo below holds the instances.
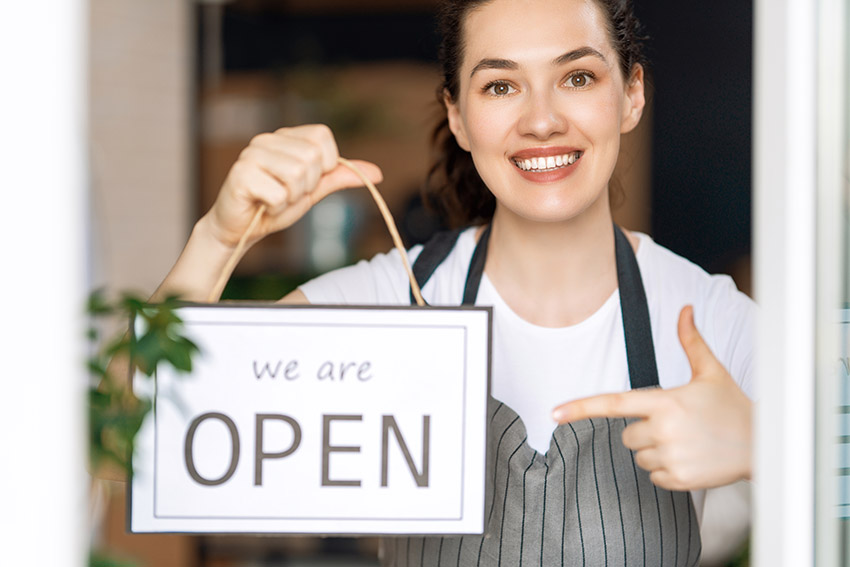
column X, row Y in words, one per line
column 177, row 89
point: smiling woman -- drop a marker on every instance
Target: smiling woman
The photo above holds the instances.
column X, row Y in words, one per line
column 537, row 95
column 560, row 94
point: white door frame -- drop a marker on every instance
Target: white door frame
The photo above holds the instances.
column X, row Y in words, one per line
column 43, row 149
column 799, row 124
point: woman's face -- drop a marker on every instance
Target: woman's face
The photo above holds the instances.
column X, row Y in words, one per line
column 541, row 105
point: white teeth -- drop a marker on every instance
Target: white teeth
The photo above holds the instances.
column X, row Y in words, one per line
column 547, row 163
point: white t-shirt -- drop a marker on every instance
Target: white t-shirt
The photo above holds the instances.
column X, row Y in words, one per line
column 536, row 368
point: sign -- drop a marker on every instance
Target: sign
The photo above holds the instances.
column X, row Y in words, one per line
column 331, row 420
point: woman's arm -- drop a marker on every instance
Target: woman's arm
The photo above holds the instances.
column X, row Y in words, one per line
column 197, row 268
column 288, row 171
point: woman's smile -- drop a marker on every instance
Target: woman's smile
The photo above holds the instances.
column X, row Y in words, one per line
column 546, row 165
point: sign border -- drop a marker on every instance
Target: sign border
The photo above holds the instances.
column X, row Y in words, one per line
column 283, row 306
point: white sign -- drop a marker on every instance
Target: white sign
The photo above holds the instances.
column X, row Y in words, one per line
column 341, row 420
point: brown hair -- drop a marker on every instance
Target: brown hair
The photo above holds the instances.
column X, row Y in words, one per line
column 453, row 188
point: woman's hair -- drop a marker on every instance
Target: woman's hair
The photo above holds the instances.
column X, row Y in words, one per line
column 454, row 188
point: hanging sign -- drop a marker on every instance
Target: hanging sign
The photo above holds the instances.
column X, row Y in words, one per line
column 330, row 420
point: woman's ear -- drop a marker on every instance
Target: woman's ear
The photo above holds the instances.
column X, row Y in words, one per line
column 455, row 121
column 635, row 100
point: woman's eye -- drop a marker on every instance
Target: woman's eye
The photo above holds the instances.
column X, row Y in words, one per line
column 579, row 80
column 499, row 89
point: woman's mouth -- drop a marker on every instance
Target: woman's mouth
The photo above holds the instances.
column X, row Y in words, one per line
column 544, row 164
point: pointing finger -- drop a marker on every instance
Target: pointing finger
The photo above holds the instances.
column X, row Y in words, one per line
column 636, row 403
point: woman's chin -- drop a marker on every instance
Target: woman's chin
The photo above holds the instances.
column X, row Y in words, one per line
column 548, row 211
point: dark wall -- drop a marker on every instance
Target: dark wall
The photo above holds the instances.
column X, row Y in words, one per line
column 274, row 40
column 701, row 59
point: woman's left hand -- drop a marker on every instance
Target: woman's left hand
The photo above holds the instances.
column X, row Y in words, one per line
column 691, row 437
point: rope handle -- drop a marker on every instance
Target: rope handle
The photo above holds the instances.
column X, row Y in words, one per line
column 382, row 207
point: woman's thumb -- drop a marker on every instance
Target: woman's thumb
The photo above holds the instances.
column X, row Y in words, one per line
column 343, row 177
column 699, row 355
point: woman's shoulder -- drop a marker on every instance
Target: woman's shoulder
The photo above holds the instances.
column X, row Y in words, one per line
column 672, row 281
column 671, row 275
column 724, row 315
column 383, row 280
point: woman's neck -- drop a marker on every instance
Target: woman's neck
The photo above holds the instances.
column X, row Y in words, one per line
column 553, row 274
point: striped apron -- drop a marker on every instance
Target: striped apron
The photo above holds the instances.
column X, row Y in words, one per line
column 583, row 503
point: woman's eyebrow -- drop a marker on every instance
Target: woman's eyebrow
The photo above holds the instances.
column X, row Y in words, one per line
column 494, row 64
column 578, row 54
column 507, row 64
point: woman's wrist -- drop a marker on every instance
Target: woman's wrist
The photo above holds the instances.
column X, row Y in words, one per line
column 210, row 237
column 199, row 266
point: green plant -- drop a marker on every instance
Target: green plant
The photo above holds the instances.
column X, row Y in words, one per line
column 742, row 558
column 101, row 560
column 115, row 412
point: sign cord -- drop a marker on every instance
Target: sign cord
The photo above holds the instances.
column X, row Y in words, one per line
column 215, row 293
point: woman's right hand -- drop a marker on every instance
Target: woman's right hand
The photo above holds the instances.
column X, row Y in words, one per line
column 289, row 171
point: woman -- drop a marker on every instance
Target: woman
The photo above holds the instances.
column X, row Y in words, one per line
column 538, row 93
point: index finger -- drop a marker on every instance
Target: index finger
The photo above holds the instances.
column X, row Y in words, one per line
column 635, row 403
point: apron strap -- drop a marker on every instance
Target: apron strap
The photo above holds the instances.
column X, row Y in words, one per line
column 438, row 248
column 640, row 350
column 432, row 255
column 476, row 268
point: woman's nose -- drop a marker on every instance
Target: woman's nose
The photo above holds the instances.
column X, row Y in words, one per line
column 542, row 117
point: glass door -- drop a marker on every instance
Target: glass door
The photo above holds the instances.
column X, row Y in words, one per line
column 802, row 425
column 832, row 463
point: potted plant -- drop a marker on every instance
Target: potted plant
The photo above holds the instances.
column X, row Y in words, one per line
column 116, row 412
